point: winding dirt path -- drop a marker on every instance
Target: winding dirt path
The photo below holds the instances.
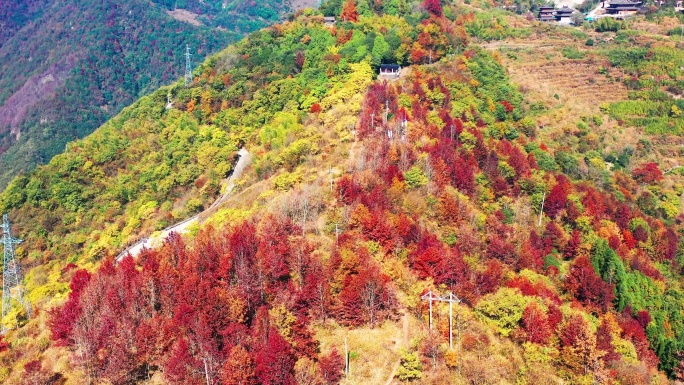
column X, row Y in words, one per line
column 181, row 227
column 405, row 322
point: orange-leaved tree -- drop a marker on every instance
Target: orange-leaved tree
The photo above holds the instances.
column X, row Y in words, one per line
column 349, row 12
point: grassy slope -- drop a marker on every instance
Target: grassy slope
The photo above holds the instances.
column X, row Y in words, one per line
column 573, row 93
column 578, row 90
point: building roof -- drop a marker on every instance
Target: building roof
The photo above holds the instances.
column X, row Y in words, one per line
column 565, row 10
column 390, row 67
column 624, row 8
column 624, row 3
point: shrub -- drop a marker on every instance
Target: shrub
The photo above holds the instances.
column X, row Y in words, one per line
column 572, row 53
column 647, row 173
column 608, row 24
column 286, row 180
column 502, row 310
column 415, row 177
column 544, row 160
column 194, row 205
column 410, row 367
column 677, row 31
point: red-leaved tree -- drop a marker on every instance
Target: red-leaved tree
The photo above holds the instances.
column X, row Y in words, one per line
column 62, row 320
column 556, row 200
column 299, row 60
column 3, row 345
column 238, row 368
column 535, row 324
column 433, row 6
column 583, row 282
column 274, row 361
column 647, row 173
column 331, row 366
column 367, row 297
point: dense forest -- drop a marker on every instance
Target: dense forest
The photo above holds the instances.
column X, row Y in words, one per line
column 364, row 194
column 15, row 14
column 234, row 15
column 69, row 66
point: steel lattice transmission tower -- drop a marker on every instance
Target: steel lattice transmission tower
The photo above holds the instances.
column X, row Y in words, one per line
column 12, row 287
column 188, row 66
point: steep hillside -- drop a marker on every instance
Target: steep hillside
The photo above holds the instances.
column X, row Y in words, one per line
column 609, row 101
column 364, row 194
column 66, row 67
column 237, row 15
column 15, row 14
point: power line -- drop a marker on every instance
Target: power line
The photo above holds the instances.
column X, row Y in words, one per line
column 12, row 287
column 188, row 66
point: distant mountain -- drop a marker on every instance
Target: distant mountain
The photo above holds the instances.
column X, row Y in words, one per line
column 68, row 66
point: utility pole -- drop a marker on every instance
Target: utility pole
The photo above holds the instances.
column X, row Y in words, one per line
column 337, row 235
column 541, row 210
column 430, row 296
column 188, row 66
column 206, row 371
column 12, row 287
column 404, row 124
column 331, row 177
column 458, row 326
column 451, row 299
column 346, row 358
column 386, row 111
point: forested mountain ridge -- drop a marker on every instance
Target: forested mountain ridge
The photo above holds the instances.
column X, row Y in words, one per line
column 237, row 15
column 66, row 67
column 364, row 194
column 15, row 14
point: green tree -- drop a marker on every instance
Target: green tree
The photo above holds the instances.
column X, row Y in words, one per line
column 567, row 163
column 610, row 267
column 415, row 177
column 380, row 50
column 409, row 367
column 502, row 310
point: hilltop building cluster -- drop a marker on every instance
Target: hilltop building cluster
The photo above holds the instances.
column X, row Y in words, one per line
column 623, row 7
column 548, row 13
column 615, row 8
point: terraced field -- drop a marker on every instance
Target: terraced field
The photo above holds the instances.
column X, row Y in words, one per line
column 566, row 90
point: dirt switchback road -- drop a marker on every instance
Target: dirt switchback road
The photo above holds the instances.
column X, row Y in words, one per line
column 181, row 227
